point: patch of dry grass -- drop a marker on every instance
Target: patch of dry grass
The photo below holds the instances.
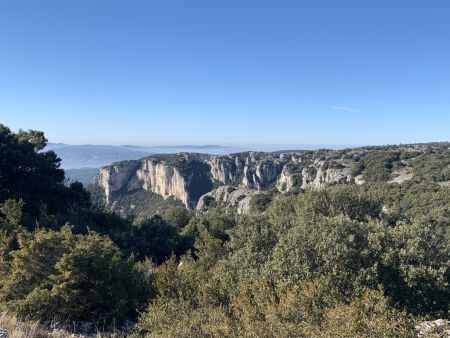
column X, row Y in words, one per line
column 19, row 328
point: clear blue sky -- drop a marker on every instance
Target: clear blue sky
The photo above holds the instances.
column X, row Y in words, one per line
column 227, row 72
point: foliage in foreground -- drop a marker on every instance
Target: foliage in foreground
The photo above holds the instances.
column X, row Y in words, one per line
column 327, row 263
column 56, row 274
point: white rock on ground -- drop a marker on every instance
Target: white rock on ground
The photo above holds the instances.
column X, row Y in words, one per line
column 439, row 328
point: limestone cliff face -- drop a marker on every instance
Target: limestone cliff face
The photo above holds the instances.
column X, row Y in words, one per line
column 187, row 177
column 161, row 179
column 314, row 176
column 185, row 180
column 115, row 177
column 329, row 176
column 286, row 180
column 253, row 171
column 262, row 175
column 224, row 169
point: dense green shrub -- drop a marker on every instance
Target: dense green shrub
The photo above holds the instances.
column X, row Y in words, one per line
column 177, row 217
column 324, row 263
column 260, row 202
column 58, row 274
column 433, row 165
column 153, row 238
column 416, row 266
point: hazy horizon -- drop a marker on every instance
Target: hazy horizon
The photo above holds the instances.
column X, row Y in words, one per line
column 94, row 156
column 223, row 145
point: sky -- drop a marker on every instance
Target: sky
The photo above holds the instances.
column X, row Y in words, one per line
column 227, row 72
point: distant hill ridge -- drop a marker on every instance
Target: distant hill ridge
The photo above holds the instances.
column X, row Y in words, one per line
column 95, row 156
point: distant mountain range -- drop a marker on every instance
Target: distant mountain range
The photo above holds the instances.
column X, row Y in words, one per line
column 83, row 175
column 95, row 156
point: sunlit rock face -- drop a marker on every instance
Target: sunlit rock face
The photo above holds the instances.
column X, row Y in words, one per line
column 228, row 197
column 185, row 180
column 115, row 177
column 161, row 179
column 189, row 177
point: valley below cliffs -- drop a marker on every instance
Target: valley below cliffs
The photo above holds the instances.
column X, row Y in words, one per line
column 198, row 181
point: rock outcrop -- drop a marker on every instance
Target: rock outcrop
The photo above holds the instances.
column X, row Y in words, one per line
column 115, row 177
column 187, row 177
column 439, row 328
column 262, row 175
column 402, row 175
column 330, row 176
column 224, row 169
column 161, row 179
column 195, row 179
column 228, row 197
column 285, row 182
